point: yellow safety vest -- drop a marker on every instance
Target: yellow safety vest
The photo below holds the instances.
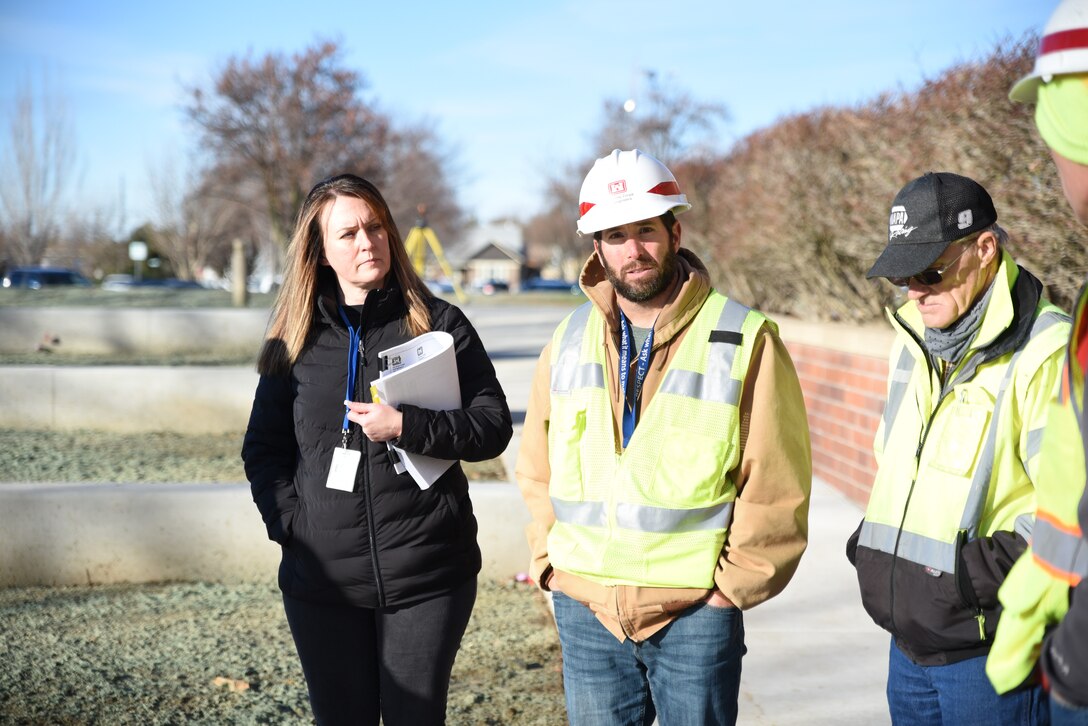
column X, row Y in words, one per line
column 1035, row 595
column 945, row 451
column 655, row 514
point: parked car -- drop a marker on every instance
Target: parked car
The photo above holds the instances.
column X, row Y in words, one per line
column 439, row 287
column 37, row 277
column 171, row 283
column 490, row 287
column 540, row 284
column 117, row 282
column 121, row 283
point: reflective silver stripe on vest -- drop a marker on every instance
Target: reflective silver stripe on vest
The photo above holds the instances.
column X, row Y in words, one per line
column 566, row 374
column 900, row 380
column 913, row 547
column 644, row 518
column 717, row 384
column 1061, row 550
column 587, row 375
column 980, row 483
column 1024, row 525
column 583, row 514
column 1035, row 441
column 704, row 388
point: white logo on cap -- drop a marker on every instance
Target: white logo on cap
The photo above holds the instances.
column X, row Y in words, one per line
column 897, row 223
column 965, row 219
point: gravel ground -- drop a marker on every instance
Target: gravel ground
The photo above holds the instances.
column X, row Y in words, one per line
column 199, row 653
column 52, row 456
column 203, row 653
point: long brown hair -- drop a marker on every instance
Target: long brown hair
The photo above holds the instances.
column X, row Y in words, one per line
column 293, row 311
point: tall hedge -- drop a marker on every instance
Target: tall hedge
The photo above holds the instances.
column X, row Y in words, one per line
column 796, row 213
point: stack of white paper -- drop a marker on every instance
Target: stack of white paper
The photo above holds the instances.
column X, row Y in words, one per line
column 421, row 372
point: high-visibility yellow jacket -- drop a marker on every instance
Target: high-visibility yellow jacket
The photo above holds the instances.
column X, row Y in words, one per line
column 952, row 504
column 638, row 516
column 1036, row 594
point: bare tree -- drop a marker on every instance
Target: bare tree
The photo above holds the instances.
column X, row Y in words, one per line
column 193, row 225
column 418, row 171
column 36, row 171
column 668, row 123
column 551, row 236
column 283, row 123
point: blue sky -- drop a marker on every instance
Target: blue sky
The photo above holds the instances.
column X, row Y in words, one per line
column 516, row 87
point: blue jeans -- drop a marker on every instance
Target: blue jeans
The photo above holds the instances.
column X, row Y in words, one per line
column 1067, row 715
column 959, row 694
column 687, row 673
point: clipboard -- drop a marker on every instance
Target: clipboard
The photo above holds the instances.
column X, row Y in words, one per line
column 421, row 372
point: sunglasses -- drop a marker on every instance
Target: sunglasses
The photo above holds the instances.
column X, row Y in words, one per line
column 930, row 277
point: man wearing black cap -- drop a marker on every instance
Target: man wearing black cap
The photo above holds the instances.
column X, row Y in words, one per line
column 976, row 360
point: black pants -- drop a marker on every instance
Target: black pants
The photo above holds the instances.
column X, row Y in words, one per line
column 360, row 662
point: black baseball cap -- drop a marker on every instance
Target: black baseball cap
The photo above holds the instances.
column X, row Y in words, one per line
column 927, row 215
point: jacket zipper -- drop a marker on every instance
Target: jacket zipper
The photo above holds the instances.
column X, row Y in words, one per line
column 367, row 488
column 980, row 616
column 914, row 479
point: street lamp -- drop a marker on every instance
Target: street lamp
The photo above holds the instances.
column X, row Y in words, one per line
column 137, row 252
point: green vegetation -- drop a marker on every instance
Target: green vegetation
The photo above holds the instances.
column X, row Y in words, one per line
column 58, row 357
column 158, row 298
column 156, row 457
column 136, row 298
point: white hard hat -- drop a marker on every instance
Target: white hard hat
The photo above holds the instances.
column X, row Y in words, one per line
column 624, row 187
column 1063, row 49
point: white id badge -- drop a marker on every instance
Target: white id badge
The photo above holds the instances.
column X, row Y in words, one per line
column 345, row 462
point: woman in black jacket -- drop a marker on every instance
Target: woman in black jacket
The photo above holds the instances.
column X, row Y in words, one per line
column 378, row 575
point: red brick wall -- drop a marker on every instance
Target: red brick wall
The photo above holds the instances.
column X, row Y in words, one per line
column 844, row 394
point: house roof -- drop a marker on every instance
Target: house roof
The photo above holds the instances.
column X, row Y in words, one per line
column 495, row 251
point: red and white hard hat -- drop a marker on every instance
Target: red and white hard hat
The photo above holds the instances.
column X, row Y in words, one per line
column 1063, row 49
column 624, row 187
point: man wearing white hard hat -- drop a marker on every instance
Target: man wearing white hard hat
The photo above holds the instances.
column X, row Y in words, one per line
column 665, row 461
column 1043, row 634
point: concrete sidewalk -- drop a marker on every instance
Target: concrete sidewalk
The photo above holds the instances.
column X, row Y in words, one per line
column 814, row 655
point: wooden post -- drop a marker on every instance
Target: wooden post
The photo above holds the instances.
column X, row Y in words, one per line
column 238, row 274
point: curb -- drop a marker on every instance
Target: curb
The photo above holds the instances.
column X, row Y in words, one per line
column 91, row 534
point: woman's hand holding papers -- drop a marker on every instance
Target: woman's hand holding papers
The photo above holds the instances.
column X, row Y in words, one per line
column 378, row 421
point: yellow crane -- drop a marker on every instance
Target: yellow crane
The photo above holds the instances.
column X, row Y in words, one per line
column 420, row 237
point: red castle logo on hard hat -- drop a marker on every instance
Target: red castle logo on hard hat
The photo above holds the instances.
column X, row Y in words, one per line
column 617, row 187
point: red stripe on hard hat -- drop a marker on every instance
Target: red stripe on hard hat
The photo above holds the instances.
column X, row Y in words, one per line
column 584, row 207
column 1064, row 40
column 667, row 187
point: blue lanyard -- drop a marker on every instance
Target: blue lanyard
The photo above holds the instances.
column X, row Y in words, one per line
column 355, row 348
column 630, row 403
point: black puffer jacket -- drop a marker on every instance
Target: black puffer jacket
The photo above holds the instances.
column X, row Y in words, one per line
column 388, row 542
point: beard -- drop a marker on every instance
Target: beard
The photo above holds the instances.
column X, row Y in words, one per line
column 646, row 289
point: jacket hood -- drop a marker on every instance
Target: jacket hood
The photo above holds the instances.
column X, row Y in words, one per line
column 694, row 286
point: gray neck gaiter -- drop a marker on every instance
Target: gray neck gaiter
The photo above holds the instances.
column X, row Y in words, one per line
column 950, row 344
